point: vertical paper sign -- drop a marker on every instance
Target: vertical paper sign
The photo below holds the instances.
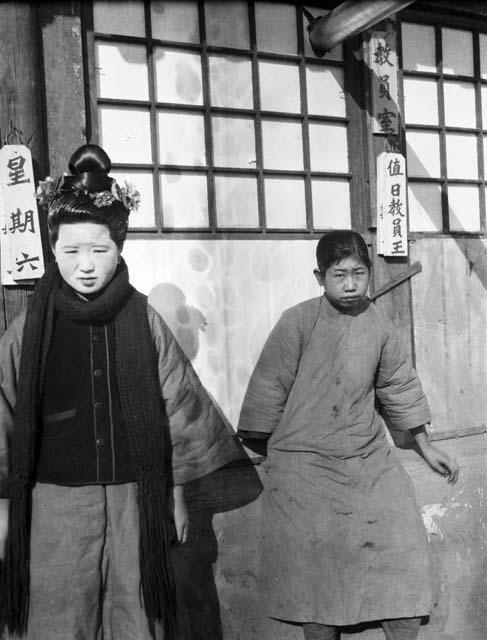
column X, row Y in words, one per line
column 384, row 67
column 21, row 245
column 392, row 219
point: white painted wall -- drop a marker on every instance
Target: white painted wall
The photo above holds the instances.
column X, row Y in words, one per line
column 221, row 298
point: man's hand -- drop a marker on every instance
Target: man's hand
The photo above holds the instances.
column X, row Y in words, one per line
column 436, row 458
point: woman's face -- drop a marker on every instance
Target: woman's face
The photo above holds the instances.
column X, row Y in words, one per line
column 345, row 282
column 86, row 256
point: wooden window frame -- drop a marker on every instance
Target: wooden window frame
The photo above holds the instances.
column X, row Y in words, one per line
column 470, row 23
column 353, row 120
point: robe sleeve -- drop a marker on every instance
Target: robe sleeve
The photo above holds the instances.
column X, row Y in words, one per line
column 201, row 441
column 272, row 378
column 10, row 346
column 398, row 387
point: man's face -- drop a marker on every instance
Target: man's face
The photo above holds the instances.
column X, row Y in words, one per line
column 345, row 282
column 86, row 256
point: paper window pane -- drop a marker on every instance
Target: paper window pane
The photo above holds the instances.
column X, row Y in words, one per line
column 231, row 82
column 460, row 104
column 227, row 24
column 125, row 134
column 418, row 47
column 184, row 200
column 283, row 145
column 279, row 87
column 121, row 18
column 178, row 76
column 276, row 27
column 420, row 101
column 181, row 138
column 285, row 203
column 483, row 54
column 464, row 208
column 328, row 147
column 121, row 71
column 461, row 156
column 484, row 144
column 176, row 21
column 233, row 142
column 457, row 52
column 236, row 202
column 336, row 53
column 423, row 154
column 326, row 93
column 484, row 106
column 331, row 204
column 424, row 207
column 142, row 181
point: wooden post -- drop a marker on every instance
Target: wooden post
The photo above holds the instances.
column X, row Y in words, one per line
column 21, row 106
column 61, row 40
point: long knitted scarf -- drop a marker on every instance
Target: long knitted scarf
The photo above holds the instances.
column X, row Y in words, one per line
column 146, row 422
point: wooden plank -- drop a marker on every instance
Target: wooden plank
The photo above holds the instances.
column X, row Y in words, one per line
column 430, row 327
column 476, row 343
column 455, row 282
column 64, row 81
column 450, row 326
column 21, row 103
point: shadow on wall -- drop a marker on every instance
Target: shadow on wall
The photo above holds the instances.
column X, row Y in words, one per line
column 184, row 321
column 226, row 489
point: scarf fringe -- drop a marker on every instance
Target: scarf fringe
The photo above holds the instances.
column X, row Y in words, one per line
column 15, row 574
column 157, row 575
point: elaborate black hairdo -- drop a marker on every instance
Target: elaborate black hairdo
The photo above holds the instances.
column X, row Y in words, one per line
column 338, row 245
column 76, row 200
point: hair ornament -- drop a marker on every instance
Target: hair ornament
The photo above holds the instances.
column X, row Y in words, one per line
column 49, row 188
column 102, row 198
column 128, row 194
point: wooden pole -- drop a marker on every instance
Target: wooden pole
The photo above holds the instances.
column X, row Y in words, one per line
column 348, row 19
column 21, row 106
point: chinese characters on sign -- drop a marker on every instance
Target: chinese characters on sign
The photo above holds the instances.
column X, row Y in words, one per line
column 383, row 65
column 20, row 239
column 392, row 220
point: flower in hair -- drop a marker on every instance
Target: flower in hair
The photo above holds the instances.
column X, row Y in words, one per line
column 102, row 198
column 128, row 194
column 47, row 189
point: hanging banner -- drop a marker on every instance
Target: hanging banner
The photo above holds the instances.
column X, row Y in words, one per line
column 392, row 218
column 384, row 67
column 21, row 244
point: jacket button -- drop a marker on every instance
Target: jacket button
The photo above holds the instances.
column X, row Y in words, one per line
column 98, row 405
column 100, row 442
column 97, row 373
column 96, row 337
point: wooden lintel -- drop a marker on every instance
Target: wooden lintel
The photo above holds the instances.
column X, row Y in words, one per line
column 348, row 19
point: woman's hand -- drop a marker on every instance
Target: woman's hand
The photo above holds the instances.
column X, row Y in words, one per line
column 181, row 518
column 3, row 525
column 436, row 458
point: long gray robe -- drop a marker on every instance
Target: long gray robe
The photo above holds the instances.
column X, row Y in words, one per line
column 343, row 539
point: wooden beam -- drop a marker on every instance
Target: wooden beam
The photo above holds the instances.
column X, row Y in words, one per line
column 61, row 40
column 349, row 19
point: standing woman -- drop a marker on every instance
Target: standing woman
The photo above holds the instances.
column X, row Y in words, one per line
column 344, row 542
column 102, row 419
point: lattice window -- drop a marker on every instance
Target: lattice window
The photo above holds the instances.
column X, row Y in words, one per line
column 445, row 107
column 223, row 116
